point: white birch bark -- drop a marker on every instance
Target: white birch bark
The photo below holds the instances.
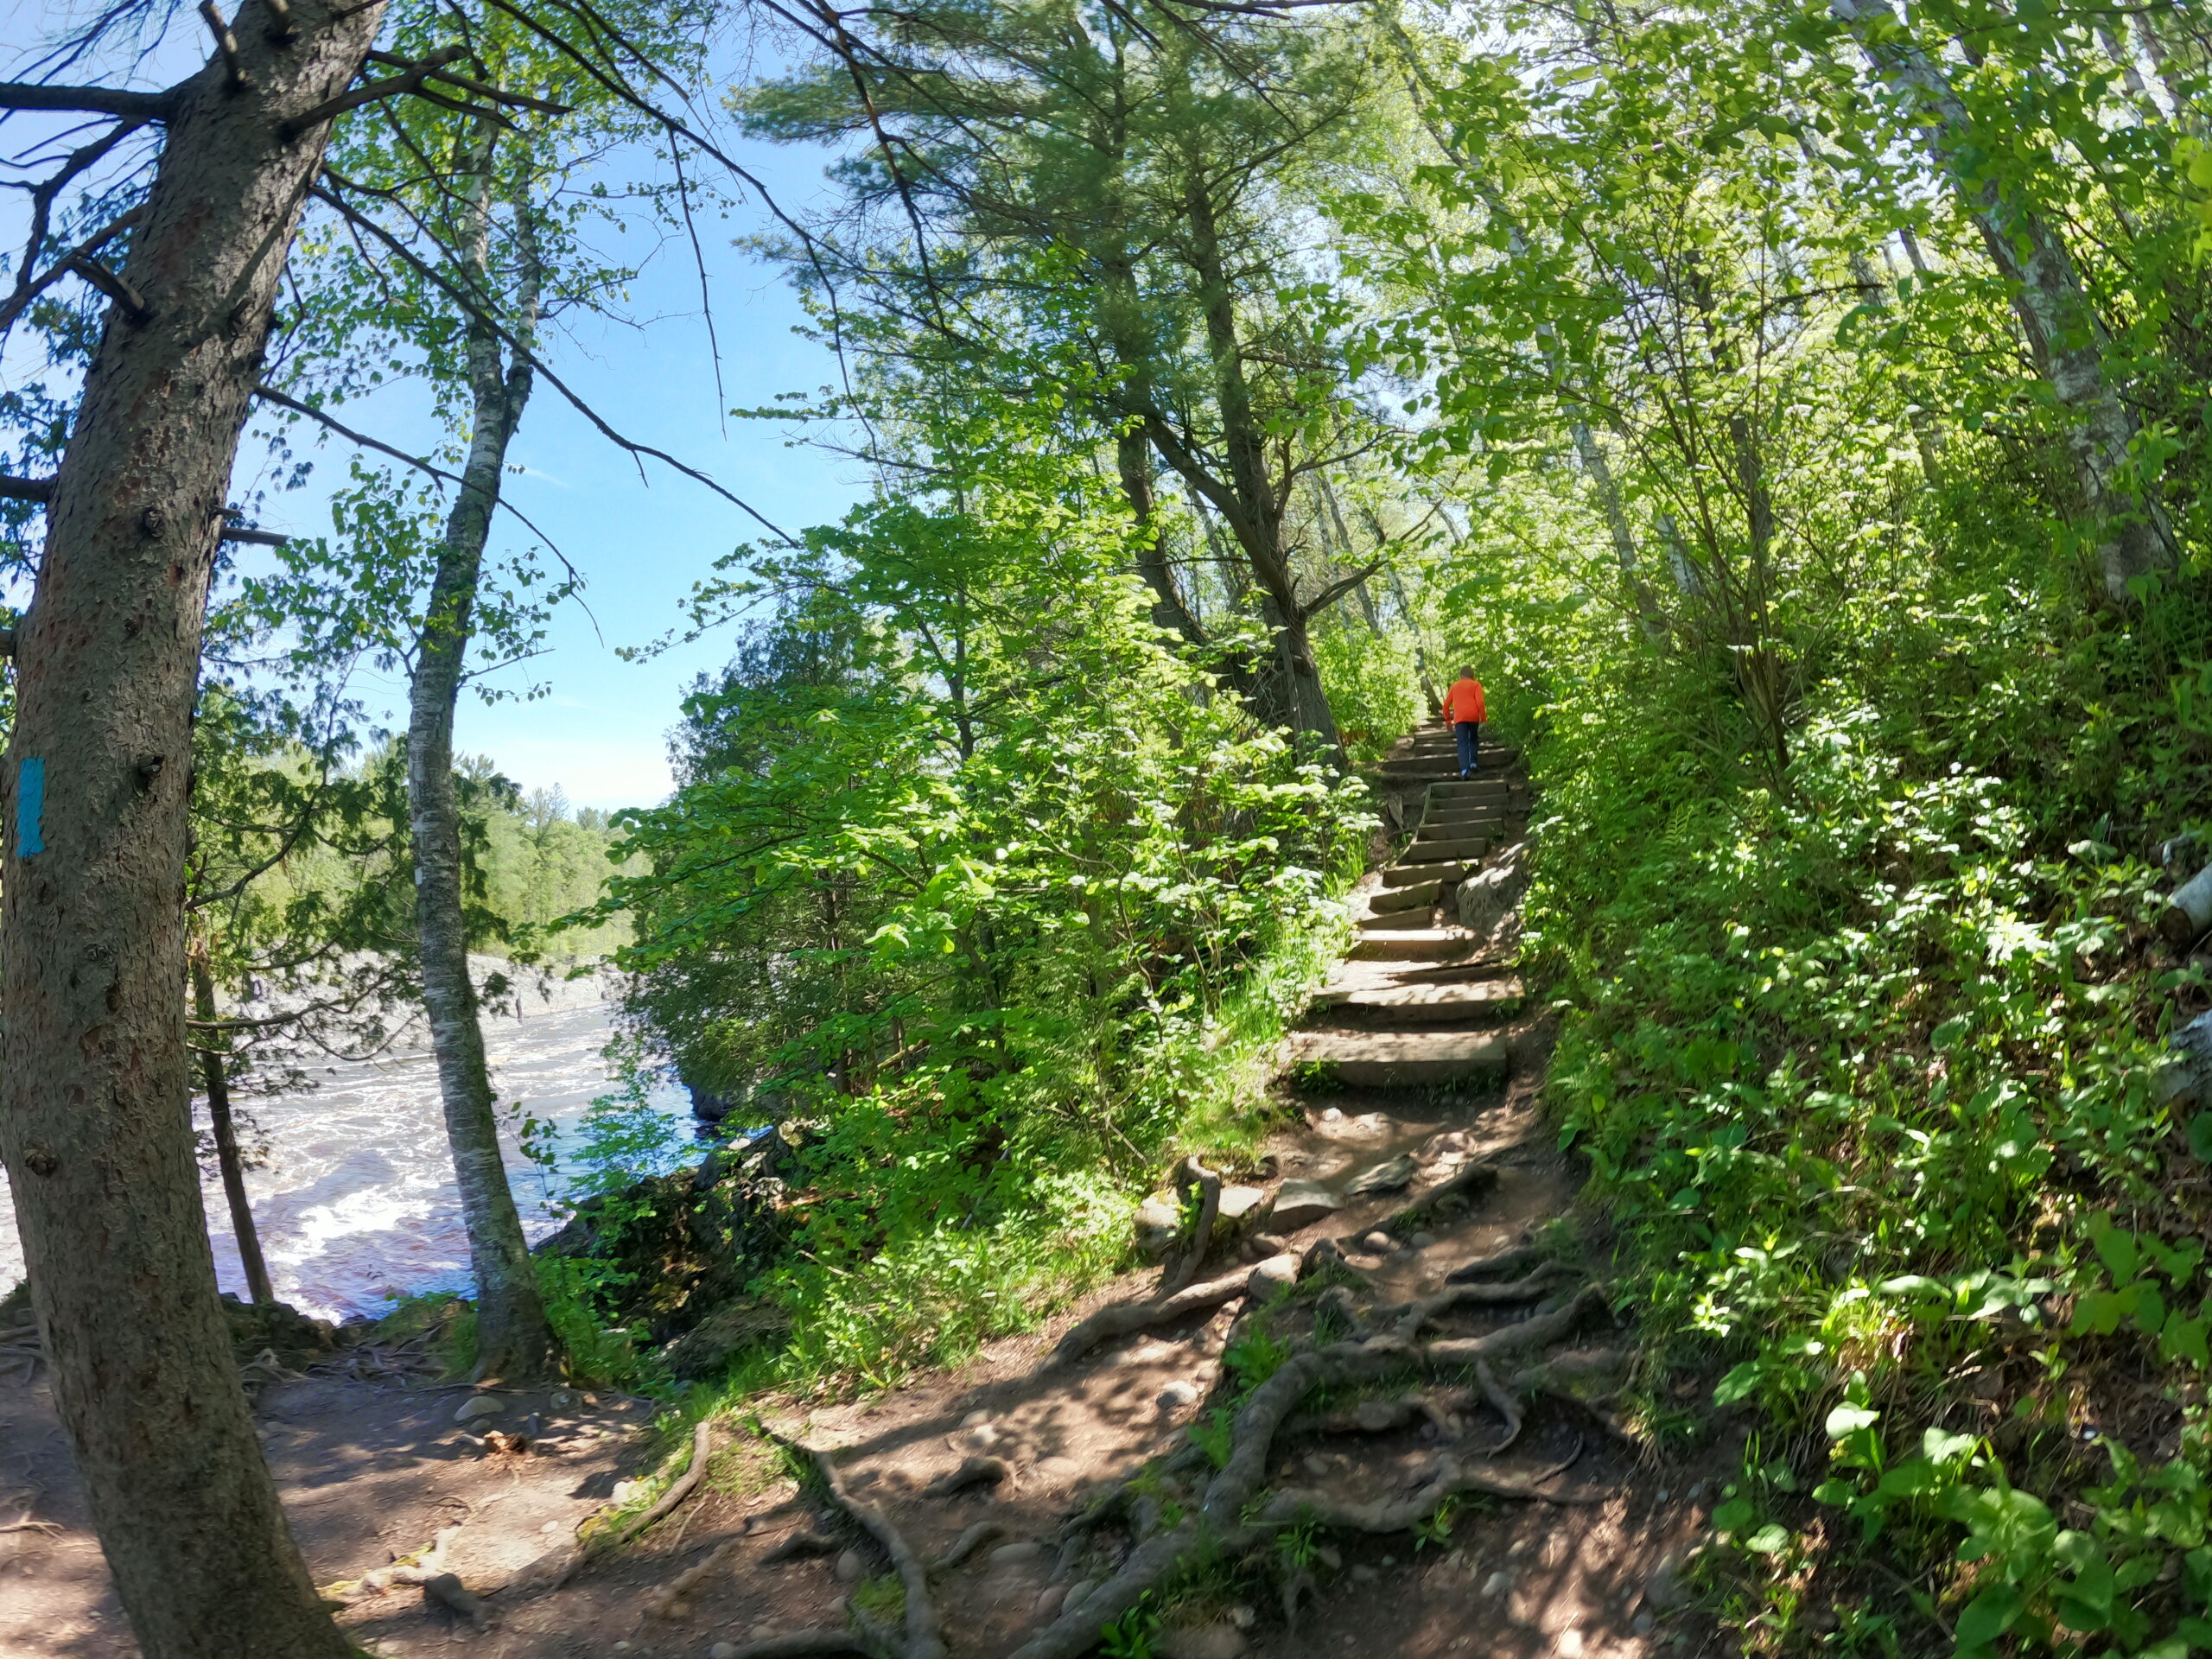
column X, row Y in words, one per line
column 514, row 1340
column 2063, row 330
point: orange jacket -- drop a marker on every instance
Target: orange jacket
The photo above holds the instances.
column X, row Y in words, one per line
column 1462, row 703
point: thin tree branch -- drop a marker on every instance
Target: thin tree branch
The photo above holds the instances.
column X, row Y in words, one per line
column 98, row 100
column 454, row 292
column 270, row 394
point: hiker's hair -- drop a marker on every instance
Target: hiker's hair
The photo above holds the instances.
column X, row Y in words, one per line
column 1467, row 673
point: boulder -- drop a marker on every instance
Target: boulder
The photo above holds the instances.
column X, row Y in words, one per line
column 1159, row 1224
column 277, row 1328
column 1276, row 1273
column 1389, row 1176
column 1244, row 1209
column 1299, row 1204
column 684, row 1245
column 710, row 1346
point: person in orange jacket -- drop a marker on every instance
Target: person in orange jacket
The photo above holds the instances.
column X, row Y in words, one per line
column 1462, row 711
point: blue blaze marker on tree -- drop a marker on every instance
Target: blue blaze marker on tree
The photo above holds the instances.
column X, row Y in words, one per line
column 30, row 808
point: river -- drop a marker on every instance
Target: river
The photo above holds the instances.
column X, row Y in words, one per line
column 356, row 1203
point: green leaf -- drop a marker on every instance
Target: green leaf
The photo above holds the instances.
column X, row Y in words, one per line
column 2200, row 1136
column 1849, row 1420
column 1988, row 1616
column 1734, row 1515
column 1770, row 1540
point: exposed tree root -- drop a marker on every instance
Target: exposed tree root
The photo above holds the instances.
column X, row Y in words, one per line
column 1224, row 1519
column 1513, row 1258
column 799, row 1547
column 1472, row 1181
column 1122, row 1318
column 1208, row 1184
column 1382, row 1416
column 669, row 1601
column 672, row 1499
column 972, row 1471
column 552, row 1573
column 1503, row 1401
column 1414, row 1318
column 1448, row 1476
column 922, row 1637
column 967, row 1544
column 1558, row 1377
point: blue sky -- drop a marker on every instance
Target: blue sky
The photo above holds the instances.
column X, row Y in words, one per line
column 599, row 732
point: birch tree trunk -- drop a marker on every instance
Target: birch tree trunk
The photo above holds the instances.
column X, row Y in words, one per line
column 1587, row 450
column 514, row 1342
column 95, row 1090
column 2062, row 328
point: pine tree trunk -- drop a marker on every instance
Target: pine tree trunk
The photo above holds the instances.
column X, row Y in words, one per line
column 95, row 1088
column 1291, row 692
column 514, row 1342
column 2067, row 337
column 216, row 1080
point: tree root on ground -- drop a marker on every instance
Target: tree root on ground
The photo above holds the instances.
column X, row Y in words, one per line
column 1208, row 1184
column 1556, row 1378
column 1382, row 1416
column 1121, row 1318
column 1473, row 1180
column 972, row 1471
column 1224, row 1521
column 552, row 1573
column 672, row 1499
column 967, row 1544
column 1508, row 1260
column 922, row 1637
column 668, row 1601
column 1415, row 1317
column 799, row 1547
column 1448, row 1476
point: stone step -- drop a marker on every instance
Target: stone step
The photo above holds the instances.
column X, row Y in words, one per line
column 1455, row 813
column 1403, row 1060
column 1395, row 920
column 1414, row 944
column 1414, row 895
column 1410, row 875
column 1465, row 851
column 1482, row 786
column 1424, row 1004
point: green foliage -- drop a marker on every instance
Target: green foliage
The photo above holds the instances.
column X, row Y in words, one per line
column 1132, row 1635
column 966, row 889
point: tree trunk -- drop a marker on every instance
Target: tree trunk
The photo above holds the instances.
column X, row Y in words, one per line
column 217, row 1085
column 1248, row 501
column 514, row 1342
column 95, row 1089
column 2067, row 337
column 1169, row 613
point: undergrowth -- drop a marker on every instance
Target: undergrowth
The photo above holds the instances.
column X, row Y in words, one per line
column 1864, row 1060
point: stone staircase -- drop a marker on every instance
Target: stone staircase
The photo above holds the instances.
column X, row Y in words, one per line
column 1417, row 1002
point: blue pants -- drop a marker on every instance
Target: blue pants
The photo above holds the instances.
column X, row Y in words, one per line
column 1469, row 733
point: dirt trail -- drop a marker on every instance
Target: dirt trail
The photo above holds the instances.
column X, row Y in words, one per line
column 1417, row 1069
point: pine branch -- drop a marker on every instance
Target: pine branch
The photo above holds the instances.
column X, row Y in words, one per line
column 95, row 100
